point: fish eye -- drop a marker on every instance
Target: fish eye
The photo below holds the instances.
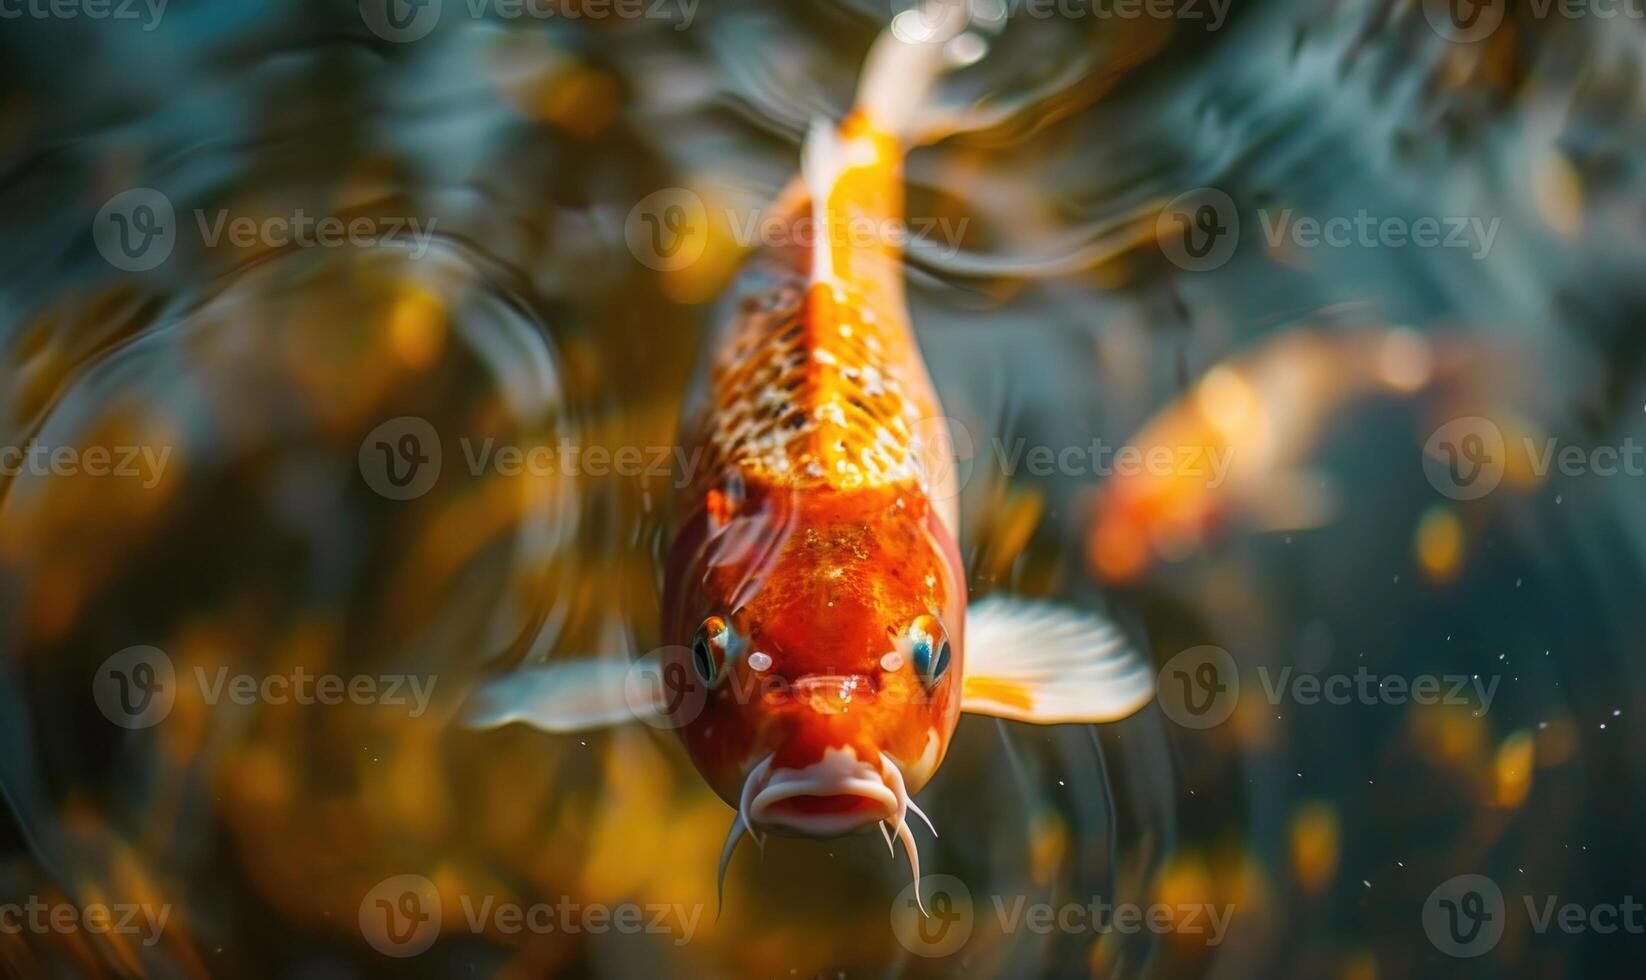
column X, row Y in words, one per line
column 709, row 649
column 929, row 649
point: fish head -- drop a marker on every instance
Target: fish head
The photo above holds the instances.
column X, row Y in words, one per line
column 825, row 630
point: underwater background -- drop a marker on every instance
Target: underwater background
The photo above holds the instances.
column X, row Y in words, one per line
column 280, row 278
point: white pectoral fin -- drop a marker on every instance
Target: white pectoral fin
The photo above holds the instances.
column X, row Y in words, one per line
column 1041, row 662
column 569, row 696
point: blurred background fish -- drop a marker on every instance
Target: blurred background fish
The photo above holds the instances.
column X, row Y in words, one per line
column 1232, row 454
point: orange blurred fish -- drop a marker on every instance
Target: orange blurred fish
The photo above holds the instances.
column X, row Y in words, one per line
column 1240, row 439
column 815, row 591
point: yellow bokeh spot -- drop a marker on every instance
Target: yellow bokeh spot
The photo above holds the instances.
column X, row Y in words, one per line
column 1450, row 736
column 1440, row 544
column 1516, row 758
column 582, row 101
column 1404, row 360
column 417, row 326
column 1315, row 846
column 1227, row 401
column 1557, row 189
column 1048, row 843
column 1360, row 965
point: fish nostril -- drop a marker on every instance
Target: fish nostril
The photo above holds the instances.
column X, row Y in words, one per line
column 833, row 693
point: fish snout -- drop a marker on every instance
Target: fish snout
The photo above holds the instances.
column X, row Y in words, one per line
column 833, row 694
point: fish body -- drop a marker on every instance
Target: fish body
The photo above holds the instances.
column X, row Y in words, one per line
column 816, row 529
column 818, row 644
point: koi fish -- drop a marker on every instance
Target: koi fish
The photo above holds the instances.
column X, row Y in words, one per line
column 821, row 646
column 1236, row 446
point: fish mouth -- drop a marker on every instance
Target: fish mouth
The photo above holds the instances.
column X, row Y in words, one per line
column 829, row 798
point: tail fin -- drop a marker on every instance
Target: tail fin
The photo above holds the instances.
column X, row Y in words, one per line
column 906, row 62
column 898, row 76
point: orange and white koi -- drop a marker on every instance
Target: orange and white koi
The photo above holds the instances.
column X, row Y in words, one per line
column 823, row 649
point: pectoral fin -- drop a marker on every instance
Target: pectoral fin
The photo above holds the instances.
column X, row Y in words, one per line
column 570, row 696
column 1037, row 661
